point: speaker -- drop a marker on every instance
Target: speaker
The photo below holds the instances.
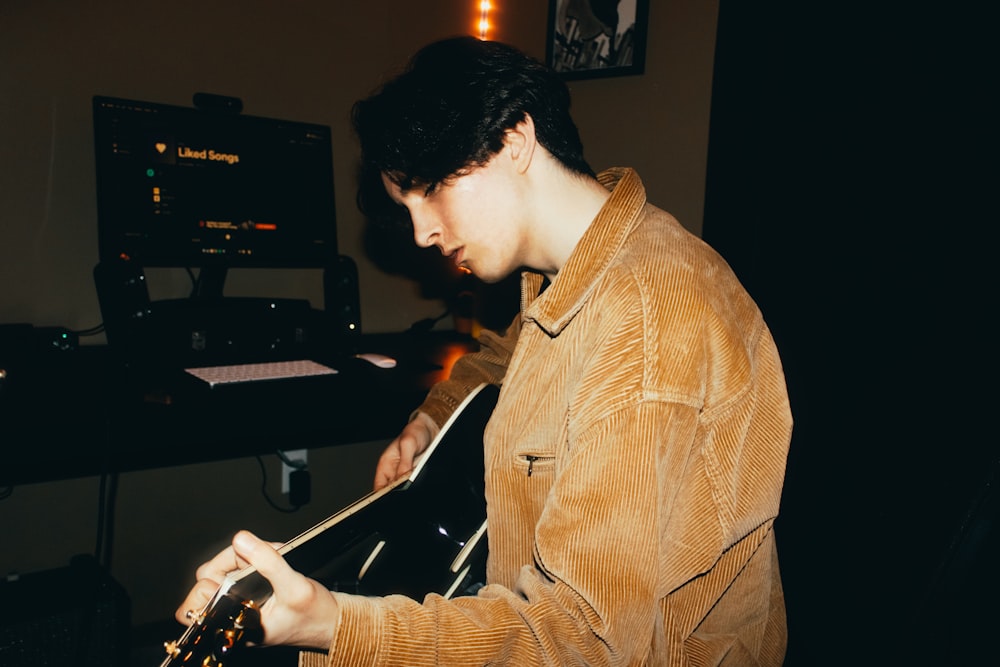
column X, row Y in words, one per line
column 342, row 302
column 75, row 615
column 124, row 300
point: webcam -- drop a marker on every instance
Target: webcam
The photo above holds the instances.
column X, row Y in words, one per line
column 221, row 103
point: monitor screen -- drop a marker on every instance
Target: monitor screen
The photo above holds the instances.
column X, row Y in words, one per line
column 185, row 187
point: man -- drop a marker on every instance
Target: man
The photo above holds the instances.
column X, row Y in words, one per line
column 635, row 458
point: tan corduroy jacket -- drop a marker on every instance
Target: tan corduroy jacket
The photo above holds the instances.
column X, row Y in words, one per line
column 635, row 462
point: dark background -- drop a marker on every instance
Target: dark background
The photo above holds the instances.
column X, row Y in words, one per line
column 845, row 185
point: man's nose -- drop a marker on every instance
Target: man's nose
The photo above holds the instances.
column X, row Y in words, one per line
column 426, row 232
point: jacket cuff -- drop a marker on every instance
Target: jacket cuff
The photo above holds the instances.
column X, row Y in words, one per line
column 359, row 632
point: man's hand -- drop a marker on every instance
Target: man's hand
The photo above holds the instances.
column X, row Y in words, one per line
column 397, row 459
column 300, row 612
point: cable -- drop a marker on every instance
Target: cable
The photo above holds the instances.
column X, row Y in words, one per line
column 425, row 325
column 194, row 282
column 291, row 463
column 6, row 492
column 92, row 331
column 263, row 483
column 107, row 498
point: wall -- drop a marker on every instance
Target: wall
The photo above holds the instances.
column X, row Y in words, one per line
column 308, row 64
column 308, row 61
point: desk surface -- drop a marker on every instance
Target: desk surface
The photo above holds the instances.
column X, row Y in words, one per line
column 77, row 413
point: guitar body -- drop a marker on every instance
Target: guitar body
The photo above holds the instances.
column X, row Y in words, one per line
column 422, row 534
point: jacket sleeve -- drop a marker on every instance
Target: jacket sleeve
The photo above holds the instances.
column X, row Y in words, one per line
column 488, row 364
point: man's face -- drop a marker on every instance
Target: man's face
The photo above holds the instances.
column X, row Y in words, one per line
column 472, row 218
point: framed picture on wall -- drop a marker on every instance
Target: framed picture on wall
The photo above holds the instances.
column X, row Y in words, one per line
column 597, row 38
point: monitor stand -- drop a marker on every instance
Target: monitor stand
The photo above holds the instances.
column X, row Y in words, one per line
column 210, row 283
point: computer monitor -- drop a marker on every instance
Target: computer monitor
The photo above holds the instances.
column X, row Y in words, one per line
column 196, row 188
column 211, row 189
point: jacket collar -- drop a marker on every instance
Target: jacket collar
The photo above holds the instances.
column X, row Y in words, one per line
column 572, row 287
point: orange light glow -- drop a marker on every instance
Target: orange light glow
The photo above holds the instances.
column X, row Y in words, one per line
column 484, row 18
column 451, row 355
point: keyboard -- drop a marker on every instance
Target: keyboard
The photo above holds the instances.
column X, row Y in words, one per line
column 270, row 370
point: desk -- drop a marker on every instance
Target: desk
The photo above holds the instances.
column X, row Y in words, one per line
column 78, row 413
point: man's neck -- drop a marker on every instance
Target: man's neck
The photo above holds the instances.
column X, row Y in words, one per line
column 566, row 206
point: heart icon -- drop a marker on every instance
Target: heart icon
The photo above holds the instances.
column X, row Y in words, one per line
column 160, row 147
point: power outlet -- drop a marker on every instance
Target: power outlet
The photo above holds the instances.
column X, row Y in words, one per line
column 300, row 457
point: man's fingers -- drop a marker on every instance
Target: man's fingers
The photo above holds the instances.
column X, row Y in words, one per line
column 391, row 465
column 397, row 459
column 299, row 610
column 264, row 557
column 223, row 563
column 195, row 601
column 209, row 576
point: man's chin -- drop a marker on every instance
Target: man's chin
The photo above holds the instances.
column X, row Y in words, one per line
column 488, row 278
column 489, row 275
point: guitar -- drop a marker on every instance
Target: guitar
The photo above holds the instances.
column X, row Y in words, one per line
column 424, row 533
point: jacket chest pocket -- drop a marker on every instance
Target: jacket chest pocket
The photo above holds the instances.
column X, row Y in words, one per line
column 532, row 464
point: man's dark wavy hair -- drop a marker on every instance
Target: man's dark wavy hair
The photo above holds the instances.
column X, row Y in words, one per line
column 449, row 111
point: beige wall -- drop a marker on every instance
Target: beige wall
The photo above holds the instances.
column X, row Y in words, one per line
column 305, row 60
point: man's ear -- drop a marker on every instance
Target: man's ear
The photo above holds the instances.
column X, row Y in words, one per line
column 521, row 142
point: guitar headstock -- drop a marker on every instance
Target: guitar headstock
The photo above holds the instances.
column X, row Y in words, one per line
column 218, row 632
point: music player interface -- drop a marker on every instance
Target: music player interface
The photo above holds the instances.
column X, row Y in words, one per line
column 180, row 184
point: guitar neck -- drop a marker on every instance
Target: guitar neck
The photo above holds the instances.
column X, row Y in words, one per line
column 310, row 550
